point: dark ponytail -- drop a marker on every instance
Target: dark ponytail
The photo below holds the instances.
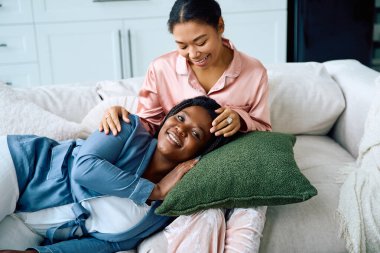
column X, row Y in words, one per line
column 204, row 11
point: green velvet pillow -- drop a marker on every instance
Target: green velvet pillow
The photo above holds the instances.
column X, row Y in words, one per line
column 256, row 169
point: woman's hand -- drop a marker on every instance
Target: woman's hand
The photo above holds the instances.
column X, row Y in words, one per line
column 227, row 123
column 111, row 121
column 167, row 183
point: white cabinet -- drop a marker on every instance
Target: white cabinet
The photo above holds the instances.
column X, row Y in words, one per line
column 75, row 52
column 15, row 11
column 90, row 51
column 55, row 41
column 148, row 39
column 17, row 44
column 18, row 54
column 19, row 75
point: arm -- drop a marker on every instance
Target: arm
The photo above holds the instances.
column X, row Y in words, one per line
column 84, row 245
column 162, row 188
column 258, row 116
column 254, row 117
column 149, row 107
column 94, row 167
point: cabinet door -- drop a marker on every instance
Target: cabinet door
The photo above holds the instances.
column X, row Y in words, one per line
column 259, row 34
column 15, row 11
column 80, row 52
column 20, row 75
column 146, row 40
column 84, row 10
column 17, row 44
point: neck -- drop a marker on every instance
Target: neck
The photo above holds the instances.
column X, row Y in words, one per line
column 158, row 168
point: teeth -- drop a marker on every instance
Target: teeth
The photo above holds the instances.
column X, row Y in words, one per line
column 202, row 61
column 175, row 139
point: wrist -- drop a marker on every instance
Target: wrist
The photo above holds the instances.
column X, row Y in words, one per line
column 156, row 193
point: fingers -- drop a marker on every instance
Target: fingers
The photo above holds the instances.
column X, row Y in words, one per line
column 184, row 167
column 227, row 123
column 125, row 115
column 111, row 121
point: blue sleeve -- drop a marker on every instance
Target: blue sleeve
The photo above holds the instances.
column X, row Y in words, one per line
column 85, row 245
column 94, row 167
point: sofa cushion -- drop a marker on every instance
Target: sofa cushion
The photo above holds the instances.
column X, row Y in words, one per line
column 310, row 225
column 92, row 120
column 125, row 87
column 256, row 169
column 20, row 116
column 70, row 101
column 16, row 235
column 304, row 99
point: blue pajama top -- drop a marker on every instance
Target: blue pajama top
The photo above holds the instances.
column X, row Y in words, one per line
column 52, row 173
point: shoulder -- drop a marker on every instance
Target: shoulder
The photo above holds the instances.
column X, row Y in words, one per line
column 244, row 61
column 251, row 63
column 165, row 60
column 135, row 126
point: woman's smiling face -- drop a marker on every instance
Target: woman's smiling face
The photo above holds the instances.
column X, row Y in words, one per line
column 199, row 43
column 185, row 134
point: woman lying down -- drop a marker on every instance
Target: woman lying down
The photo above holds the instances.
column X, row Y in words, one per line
column 100, row 195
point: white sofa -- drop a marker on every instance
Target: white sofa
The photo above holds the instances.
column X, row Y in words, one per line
column 325, row 105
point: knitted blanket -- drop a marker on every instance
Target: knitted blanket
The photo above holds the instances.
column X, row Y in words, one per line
column 359, row 203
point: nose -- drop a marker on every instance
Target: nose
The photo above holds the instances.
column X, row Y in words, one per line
column 182, row 130
column 193, row 53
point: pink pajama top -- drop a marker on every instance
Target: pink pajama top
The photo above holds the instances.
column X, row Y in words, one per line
column 243, row 87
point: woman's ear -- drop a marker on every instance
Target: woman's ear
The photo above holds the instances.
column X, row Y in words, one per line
column 221, row 26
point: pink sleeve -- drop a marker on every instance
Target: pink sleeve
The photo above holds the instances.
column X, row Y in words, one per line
column 258, row 116
column 149, row 107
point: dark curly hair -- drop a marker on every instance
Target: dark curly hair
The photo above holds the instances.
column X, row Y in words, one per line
column 207, row 103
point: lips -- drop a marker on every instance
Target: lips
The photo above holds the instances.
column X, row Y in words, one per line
column 174, row 139
column 201, row 62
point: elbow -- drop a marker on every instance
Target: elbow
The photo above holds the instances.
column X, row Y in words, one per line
column 80, row 172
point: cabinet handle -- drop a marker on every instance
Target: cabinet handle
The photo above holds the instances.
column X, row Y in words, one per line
column 130, row 52
column 3, row 45
column 121, row 54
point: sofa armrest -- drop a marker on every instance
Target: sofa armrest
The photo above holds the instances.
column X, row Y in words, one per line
column 357, row 82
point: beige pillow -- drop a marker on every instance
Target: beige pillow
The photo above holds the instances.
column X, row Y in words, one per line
column 91, row 121
column 20, row 116
column 304, row 99
column 70, row 101
column 125, row 87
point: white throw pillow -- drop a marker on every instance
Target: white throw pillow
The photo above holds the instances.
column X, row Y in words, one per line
column 304, row 99
column 92, row 120
column 20, row 116
column 69, row 101
column 126, row 87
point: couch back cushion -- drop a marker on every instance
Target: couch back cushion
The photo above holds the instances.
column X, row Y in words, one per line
column 304, row 99
column 69, row 101
column 358, row 86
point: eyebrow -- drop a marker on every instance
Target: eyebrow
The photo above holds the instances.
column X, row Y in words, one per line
column 187, row 115
column 194, row 40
